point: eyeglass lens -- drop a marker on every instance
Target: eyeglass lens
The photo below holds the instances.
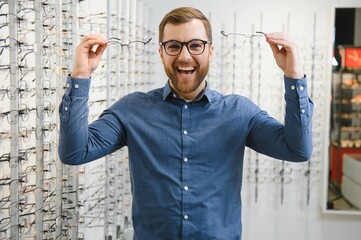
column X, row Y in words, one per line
column 137, row 47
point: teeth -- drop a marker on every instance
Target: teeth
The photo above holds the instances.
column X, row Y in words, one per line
column 186, row 68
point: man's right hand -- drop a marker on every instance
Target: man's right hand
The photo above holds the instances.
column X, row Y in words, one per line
column 88, row 55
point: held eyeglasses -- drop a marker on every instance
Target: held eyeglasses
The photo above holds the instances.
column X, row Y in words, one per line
column 135, row 47
column 239, row 39
column 194, row 46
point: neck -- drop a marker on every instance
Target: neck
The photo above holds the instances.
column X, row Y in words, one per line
column 188, row 97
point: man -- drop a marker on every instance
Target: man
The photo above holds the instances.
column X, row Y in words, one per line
column 186, row 142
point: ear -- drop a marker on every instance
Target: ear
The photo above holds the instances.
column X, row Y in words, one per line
column 211, row 49
column 160, row 51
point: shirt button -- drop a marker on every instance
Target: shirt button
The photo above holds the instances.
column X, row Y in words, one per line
column 66, row 108
column 293, row 87
column 186, row 188
column 185, row 216
column 303, row 110
column 67, row 85
column 301, row 88
column 185, row 159
column 76, row 86
column 185, row 132
column 185, row 107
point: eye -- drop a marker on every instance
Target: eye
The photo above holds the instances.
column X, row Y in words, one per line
column 173, row 45
column 195, row 44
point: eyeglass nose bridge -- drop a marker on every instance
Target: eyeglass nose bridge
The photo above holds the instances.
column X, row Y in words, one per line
column 184, row 44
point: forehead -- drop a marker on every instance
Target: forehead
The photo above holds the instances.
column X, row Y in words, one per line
column 193, row 29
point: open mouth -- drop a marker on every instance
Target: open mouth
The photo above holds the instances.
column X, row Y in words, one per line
column 186, row 70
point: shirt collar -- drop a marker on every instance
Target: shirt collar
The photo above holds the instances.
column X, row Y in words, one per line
column 207, row 94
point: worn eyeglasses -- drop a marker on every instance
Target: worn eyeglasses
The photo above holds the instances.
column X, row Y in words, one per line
column 239, row 39
column 135, row 47
column 194, row 46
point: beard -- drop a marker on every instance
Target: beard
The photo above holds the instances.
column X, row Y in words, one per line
column 186, row 82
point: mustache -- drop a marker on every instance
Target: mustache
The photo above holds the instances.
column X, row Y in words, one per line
column 185, row 63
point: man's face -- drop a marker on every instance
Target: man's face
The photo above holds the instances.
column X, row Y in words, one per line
column 186, row 72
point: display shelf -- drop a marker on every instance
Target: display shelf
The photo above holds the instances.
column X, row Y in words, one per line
column 345, row 119
column 40, row 197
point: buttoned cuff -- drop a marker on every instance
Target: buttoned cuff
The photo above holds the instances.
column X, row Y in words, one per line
column 296, row 87
column 77, row 87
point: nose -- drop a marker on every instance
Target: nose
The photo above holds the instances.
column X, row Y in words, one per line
column 184, row 54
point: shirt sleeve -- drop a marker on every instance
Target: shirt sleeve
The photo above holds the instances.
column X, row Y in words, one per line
column 80, row 142
column 291, row 141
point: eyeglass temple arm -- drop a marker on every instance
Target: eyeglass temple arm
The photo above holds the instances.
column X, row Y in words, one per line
column 150, row 39
column 224, row 33
column 261, row 33
column 118, row 40
column 115, row 40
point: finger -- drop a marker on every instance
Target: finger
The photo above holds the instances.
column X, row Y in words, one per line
column 276, row 35
column 281, row 40
column 93, row 37
column 92, row 40
column 274, row 47
column 91, row 43
column 100, row 50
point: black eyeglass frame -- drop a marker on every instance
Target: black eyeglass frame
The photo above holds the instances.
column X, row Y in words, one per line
column 185, row 44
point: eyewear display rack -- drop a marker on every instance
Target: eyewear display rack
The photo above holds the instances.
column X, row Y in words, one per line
column 244, row 65
column 40, row 198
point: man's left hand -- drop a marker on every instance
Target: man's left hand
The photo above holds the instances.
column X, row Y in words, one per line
column 285, row 52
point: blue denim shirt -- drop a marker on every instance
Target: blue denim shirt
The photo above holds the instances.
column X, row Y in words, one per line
column 185, row 159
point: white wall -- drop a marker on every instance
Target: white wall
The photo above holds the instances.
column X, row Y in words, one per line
column 268, row 218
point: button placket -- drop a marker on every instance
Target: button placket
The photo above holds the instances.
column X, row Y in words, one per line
column 186, row 131
column 185, row 107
